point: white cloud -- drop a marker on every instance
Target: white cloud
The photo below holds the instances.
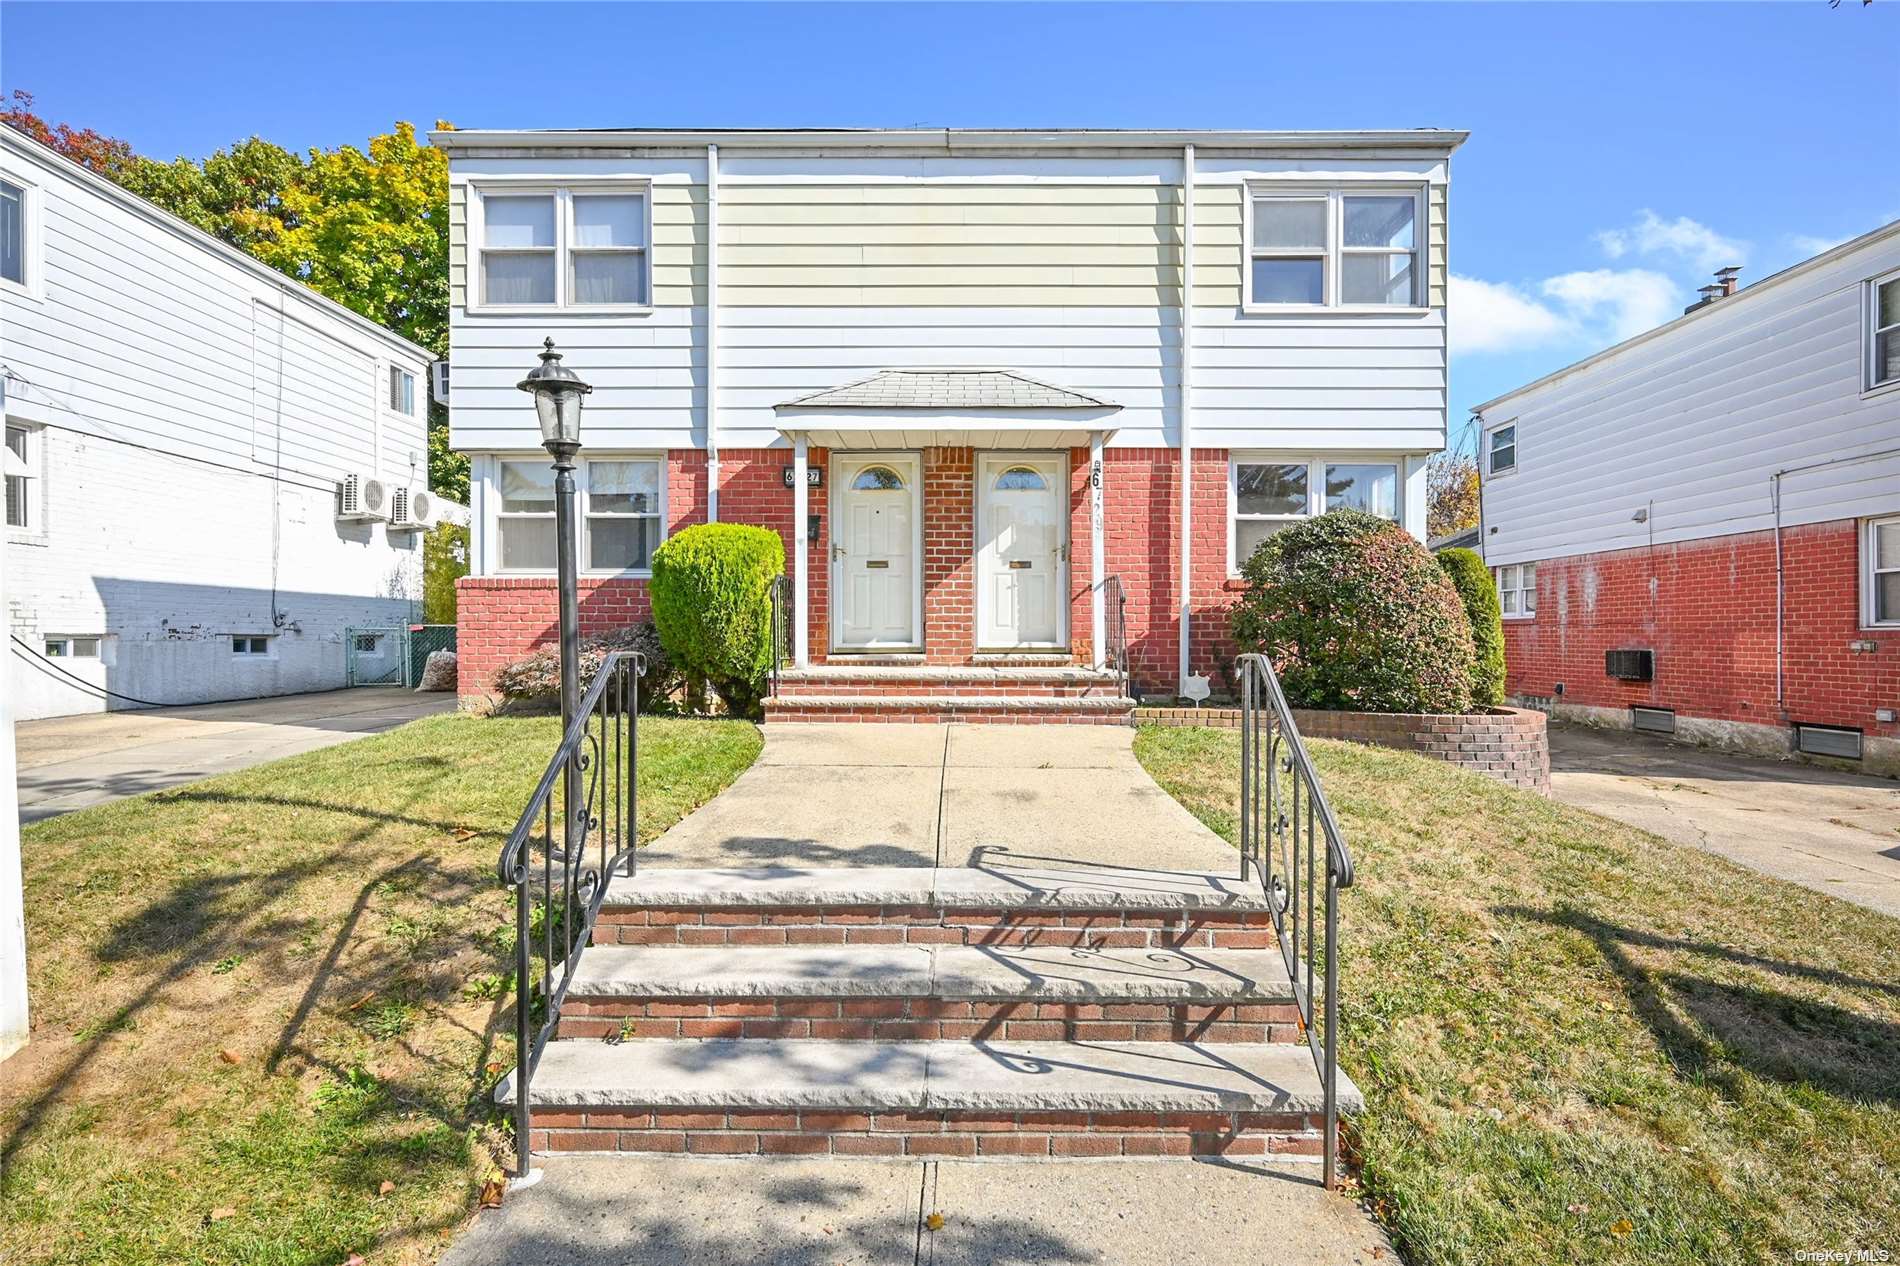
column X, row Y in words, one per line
column 1615, row 303
column 1585, row 309
column 1680, row 238
column 1489, row 316
column 1812, row 246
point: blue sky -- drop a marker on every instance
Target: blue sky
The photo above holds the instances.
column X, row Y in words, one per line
column 1618, row 152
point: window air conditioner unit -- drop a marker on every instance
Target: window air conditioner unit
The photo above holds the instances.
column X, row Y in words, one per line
column 412, row 508
column 439, row 382
column 1630, row 664
column 362, row 497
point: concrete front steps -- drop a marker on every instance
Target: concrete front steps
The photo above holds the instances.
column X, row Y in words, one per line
column 1016, row 1011
column 1065, row 693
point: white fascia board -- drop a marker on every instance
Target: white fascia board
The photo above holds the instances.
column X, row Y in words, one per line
column 35, row 153
column 1746, row 293
column 944, row 140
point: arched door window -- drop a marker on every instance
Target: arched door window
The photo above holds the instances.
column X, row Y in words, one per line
column 1021, row 479
column 877, row 479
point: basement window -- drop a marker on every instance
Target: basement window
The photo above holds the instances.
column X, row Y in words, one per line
column 1828, row 740
column 250, row 645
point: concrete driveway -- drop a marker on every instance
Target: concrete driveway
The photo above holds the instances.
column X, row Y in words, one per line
column 68, row 763
column 1836, row 833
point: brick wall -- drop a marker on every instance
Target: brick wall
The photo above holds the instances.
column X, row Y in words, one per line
column 503, row 618
column 1707, row 610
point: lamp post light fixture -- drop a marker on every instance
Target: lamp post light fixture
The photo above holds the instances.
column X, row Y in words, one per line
column 557, row 392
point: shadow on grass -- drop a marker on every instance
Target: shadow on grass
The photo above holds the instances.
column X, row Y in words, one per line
column 1707, row 1027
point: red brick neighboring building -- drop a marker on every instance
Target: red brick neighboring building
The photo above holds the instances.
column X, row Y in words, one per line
column 1698, row 531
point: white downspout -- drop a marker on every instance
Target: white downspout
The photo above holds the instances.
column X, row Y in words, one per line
column 1187, row 405
column 1098, row 566
column 712, row 334
column 801, row 554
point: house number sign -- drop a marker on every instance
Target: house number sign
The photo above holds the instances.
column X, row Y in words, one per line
column 814, row 476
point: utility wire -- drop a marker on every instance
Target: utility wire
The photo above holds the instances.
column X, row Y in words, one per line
column 25, row 651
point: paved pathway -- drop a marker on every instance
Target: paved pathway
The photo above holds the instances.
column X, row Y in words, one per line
column 1836, row 833
column 709, row 1211
column 68, row 763
column 943, row 795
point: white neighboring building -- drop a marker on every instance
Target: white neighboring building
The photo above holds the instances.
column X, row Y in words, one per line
column 179, row 422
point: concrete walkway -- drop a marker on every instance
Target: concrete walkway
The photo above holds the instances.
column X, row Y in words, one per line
column 708, row 1211
column 1837, row 833
column 943, row 795
column 69, row 763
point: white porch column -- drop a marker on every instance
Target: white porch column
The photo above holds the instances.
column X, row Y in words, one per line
column 1098, row 570
column 1187, row 410
column 801, row 551
column 712, row 334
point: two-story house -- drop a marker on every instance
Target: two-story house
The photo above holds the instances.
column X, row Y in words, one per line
column 1697, row 531
column 182, row 423
column 994, row 382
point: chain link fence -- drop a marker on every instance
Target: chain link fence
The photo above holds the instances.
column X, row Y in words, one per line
column 392, row 655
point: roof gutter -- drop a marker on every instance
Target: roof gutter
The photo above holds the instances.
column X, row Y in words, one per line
column 1439, row 141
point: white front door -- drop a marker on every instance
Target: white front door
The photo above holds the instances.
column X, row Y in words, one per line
column 874, row 551
column 1022, row 564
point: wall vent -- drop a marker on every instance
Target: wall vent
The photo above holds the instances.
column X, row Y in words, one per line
column 1827, row 740
column 1630, row 664
column 1653, row 720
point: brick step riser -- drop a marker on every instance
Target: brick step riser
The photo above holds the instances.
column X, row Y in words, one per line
column 927, row 1019
column 1021, row 1135
column 826, row 689
column 789, row 711
column 904, row 925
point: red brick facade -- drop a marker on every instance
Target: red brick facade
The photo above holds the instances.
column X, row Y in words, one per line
column 503, row 618
column 1707, row 610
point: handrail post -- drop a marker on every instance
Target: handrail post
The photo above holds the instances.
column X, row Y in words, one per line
column 1330, row 1152
column 524, row 1020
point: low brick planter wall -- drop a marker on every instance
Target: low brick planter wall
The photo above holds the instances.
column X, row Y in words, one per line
column 1509, row 744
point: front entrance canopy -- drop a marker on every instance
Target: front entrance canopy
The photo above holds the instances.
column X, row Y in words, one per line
column 929, row 408
column 920, row 408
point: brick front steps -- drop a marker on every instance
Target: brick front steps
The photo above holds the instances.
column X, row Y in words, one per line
column 966, row 693
column 1015, row 1099
column 1021, row 1009
column 885, row 993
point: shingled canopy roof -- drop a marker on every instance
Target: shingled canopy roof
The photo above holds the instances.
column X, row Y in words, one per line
column 947, row 389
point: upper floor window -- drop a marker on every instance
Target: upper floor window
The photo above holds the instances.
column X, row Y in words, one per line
column 576, row 248
column 402, row 391
column 1880, row 555
column 1333, row 248
column 1266, row 495
column 12, row 233
column 22, row 476
column 1502, row 448
column 1883, row 333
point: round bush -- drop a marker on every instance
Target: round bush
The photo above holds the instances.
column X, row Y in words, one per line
column 712, row 603
column 533, row 682
column 1356, row 616
column 1479, row 594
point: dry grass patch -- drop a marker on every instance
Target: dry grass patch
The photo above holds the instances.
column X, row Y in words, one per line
column 1581, row 1043
column 269, row 1007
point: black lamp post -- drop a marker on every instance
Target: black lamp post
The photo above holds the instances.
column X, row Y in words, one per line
column 557, row 395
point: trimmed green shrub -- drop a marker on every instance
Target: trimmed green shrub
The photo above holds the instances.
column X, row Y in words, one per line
column 1479, row 594
column 1356, row 616
column 712, row 602
column 533, row 682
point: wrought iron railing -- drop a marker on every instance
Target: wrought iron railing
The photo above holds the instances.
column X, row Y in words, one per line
column 781, row 629
column 1115, row 606
column 1290, row 842
column 559, row 860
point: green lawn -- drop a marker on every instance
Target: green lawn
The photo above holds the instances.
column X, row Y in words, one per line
column 1580, row 1043
column 260, row 998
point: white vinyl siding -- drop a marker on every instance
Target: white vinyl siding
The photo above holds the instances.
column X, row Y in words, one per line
column 1880, row 573
column 1693, row 420
column 563, row 247
column 1883, row 333
column 1267, row 493
column 1517, row 590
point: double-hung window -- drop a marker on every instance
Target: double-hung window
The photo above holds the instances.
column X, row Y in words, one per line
column 1883, row 333
column 13, row 235
column 574, row 248
column 402, row 391
column 1269, row 493
column 22, row 477
column 1355, row 249
column 1880, row 577
column 1501, row 447
column 1517, row 590
column 622, row 505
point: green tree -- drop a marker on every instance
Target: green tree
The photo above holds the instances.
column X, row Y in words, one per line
column 237, row 195
column 1451, row 495
column 106, row 155
column 1479, row 593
